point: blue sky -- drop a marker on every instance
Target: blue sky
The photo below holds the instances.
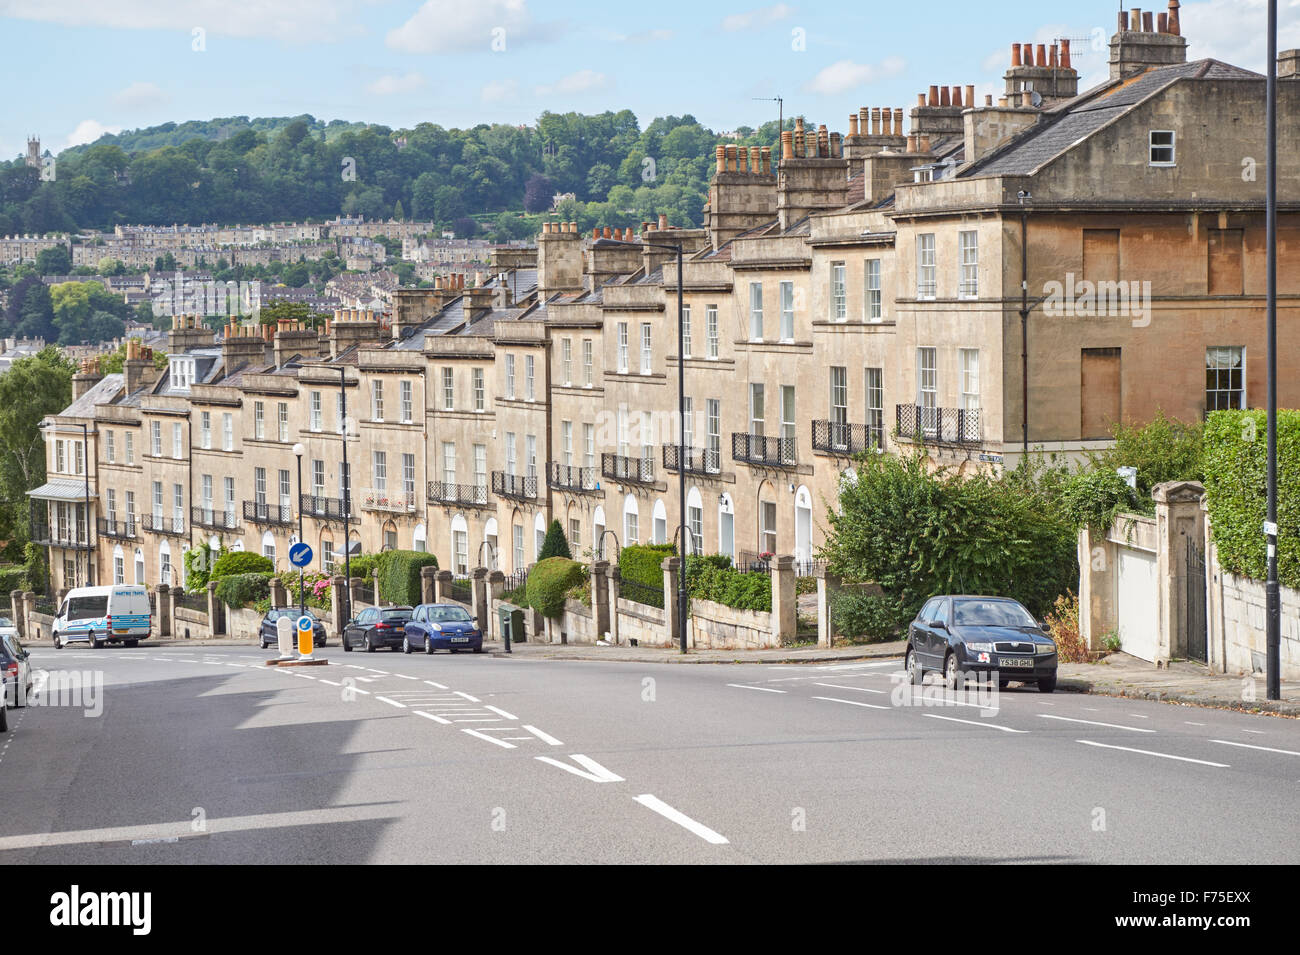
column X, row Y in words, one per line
column 74, row 68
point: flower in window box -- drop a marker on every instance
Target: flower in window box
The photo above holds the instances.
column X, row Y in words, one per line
column 766, row 555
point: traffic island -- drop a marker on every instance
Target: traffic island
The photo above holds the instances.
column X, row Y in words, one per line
column 311, row 662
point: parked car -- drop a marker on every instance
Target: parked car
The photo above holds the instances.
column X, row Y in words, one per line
column 959, row 635
column 269, row 636
column 442, row 627
column 100, row 615
column 15, row 664
column 4, row 713
column 7, row 626
column 377, row 627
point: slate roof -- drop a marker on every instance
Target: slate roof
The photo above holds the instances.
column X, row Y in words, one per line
column 100, row 393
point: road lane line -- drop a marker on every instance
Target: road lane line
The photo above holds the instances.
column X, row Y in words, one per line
column 862, row 666
column 472, row 699
column 438, row 685
column 1147, row 752
column 1267, row 749
column 495, row 709
column 992, row 726
column 403, row 676
column 330, row 682
column 478, row 719
column 490, row 739
column 1190, row 723
column 1256, row 732
column 845, row 686
column 1114, row 726
column 591, row 770
column 546, row 738
column 832, row 699
column 764, row 689
column 430, row 716
column 655, row 804
column 400, row 706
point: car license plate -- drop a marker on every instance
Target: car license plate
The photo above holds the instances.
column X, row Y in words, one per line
column 120, row 630
column 1018, row 663
column 460, row 639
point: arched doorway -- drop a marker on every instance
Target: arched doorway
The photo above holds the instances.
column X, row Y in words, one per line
column 490, row 546
column 139, row 566
column 802, row 525
column 727, row 527
column 419, row 538
column 268, row 547
column 460, row 546
column 659, row 534
column 119, row 564
column 631, row 521
column 695, row 521
column 598, row 533
column 539, row 534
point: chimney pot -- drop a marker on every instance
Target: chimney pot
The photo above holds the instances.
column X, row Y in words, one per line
column 898, row 122
column 1162, row 23
column 663, row 222
column 934, row 96
column 787, row 145
column 956, row 96
column 1042, row 54
column 1175, row 23
column 970, row 94
column 1065, row 55
column 721, row 154
column 875, row 121
column 988, row 99
column 1147, row 26
column 765, row 159
column 945, row 98
column 1015, row 54
column 920, row 100
column 755, row 158
column 1052, row 57
column 1027, row 98
column 1135, row 20
column 853, row 124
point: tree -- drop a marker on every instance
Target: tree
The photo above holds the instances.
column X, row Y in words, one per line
column 30, row 390
column 538, row 193
column 555, row 544
column 54, row 261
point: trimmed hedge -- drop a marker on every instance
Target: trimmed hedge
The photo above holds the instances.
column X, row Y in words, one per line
column 240, row 590
column 857, row 613
column 707, row 578
column 1235, row 459
column 642, row 563
column 555, row 544
column 240, row 562
column 548, row 582
column 399, row 575
column 1094, row 498
column 362, row 565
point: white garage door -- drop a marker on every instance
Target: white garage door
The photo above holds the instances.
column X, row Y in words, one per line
column 1138, row 609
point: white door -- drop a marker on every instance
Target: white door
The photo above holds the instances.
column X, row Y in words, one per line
column 727, row 528
column 802, row 526
column 1136, row 605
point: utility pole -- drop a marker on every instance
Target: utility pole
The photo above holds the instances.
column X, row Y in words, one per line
column 780, row 112
column 1273, row 607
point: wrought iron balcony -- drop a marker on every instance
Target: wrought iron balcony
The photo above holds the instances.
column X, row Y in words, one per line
column 696, row 461
column 171, row 526
column 324, row 508
column 260, row 512
column 120, row 530
column 462, row 495
column 836, row 438
column 564, row 477
column 955, row 426
column 214, row 519
column 760, row 449
column 619, row 467
column 391, row 502
column 66, row 538
column 514, row 486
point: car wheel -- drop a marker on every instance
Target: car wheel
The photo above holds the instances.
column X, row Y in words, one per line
column 95, row 644
column 478, row 649
column 953, row 678
column 1047, row 684
column 406, row 644
column 58, row 643
column 915, row 672
column 131, row 643
column 1003, row 684
column 347, row 647
column 428, row 645
column 4, row 718
column 370, row 644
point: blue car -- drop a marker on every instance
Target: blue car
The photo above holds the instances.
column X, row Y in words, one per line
column 442, row 627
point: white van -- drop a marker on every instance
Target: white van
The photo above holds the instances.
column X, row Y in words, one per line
column 97, row 615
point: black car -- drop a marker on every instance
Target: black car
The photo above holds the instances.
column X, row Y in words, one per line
column 993, row 637
column 377, row 627
column 269, row 636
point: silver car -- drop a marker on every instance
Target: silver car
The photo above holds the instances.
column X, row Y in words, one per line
column 15, row 664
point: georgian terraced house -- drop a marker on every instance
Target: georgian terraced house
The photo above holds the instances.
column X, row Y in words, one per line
column 1008, row 275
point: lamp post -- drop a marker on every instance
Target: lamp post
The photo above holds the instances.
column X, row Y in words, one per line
column 681, row 420
column 1272, row 597
column 298, row 450
column 347, row 496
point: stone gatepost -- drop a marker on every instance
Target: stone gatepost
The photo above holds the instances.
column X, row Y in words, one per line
column 356, row 593
column 613, row 581
column 442, row 586
column 784, row 621
column 279, row 596
column 1097, row 599
column 18, row 608
column 216, row 611
column 496, row 588
column 162, row 608
column 1178, row 522
column 828, row 586
column 479, row 597
column 29, row 608
column 427, row 590
column 599, row 598
column 672, row 567
column 338, row 611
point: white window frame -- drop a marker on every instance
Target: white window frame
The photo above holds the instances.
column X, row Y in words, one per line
column 787, row 311
column 1171, row 146
column 839, row 292
column 647, row 355
column 926, row 269
column 711, row 331
column 968, row 257
column 873, row 302
column 621, row 361
column 755, row 311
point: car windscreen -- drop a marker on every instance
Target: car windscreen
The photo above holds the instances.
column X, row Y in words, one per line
column 396, row 615
column 448, row 615
column 83, row 608
column 991, row 613
column 6, row 622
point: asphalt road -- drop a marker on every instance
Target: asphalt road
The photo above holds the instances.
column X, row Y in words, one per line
column 209, row 756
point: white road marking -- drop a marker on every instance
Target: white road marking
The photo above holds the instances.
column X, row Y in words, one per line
column 1138, row 717
column 861, row 666
column 1190, row 723
column 430, row 716
column 490, row 739
column 380, row 672
column 992, row 726
column 655, row 804
column 1256, row 732
column 438, row 685
column 544, row 737
column 845, row 686
column 400, row 706
column 330, row 682
column 403, row 676
column 472, row 699
column 832, row 699
column 478, row 719
column 304, row 676
column 591, row 770
column 764, row 689
column 357, row 689
column 1267, row 749
column 1147, row 752
column 1113, row 726
column 495, row 709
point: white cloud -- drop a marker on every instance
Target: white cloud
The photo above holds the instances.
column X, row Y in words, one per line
column 753, row 19
column 845, row 75
column 140, row 96
column 583, row 81
column 87, row 131
column 390, row 84
column 498, row 91
column 454, row 26
column 1234, row 31
column 298, row 21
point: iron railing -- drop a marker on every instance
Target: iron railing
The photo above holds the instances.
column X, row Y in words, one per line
column 515, row 486
column 646, row 594
column 958, row 426
column 618, row 467
column 392, row 502
column 191, row 599
column 808, row 568
column 324, row 508
column 514, row 581
column 760, row 449
column 157, row 524
column 462, row 590
column 465, row 495
column 66, row 538
column 749, row 562
column 695, row 461
column 565, row 477
column 259, row 512
column 214, row 518
column 837, row 438
column 122, row 530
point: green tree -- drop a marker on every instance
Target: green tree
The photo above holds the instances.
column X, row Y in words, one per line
column 555, row 544
column 30, row 390
column 54, row 261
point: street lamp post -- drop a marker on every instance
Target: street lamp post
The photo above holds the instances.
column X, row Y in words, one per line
column 1272, row 596
column 298, row 450
column 681, row 421
column 347, row 497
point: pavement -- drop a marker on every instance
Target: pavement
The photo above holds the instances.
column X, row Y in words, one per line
column 203, row 754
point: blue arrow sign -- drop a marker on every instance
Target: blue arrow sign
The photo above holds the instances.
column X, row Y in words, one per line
column 300, row 555
column 305, row 623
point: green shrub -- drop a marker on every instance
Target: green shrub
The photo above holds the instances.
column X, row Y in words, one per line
column 198, row 565
column 581, row 592
column 362, row 565
column 240, row 562
column 12, row 577
column 1163, row 449
column 241, row 590
column 707, row 580
column 38, row 571
column 643, row 563
column 1093, row 498
column 1235, row 462
column 555, row 544
column 548, row 582
column 1063, row 622
column 399, row 575
column 860, row 613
